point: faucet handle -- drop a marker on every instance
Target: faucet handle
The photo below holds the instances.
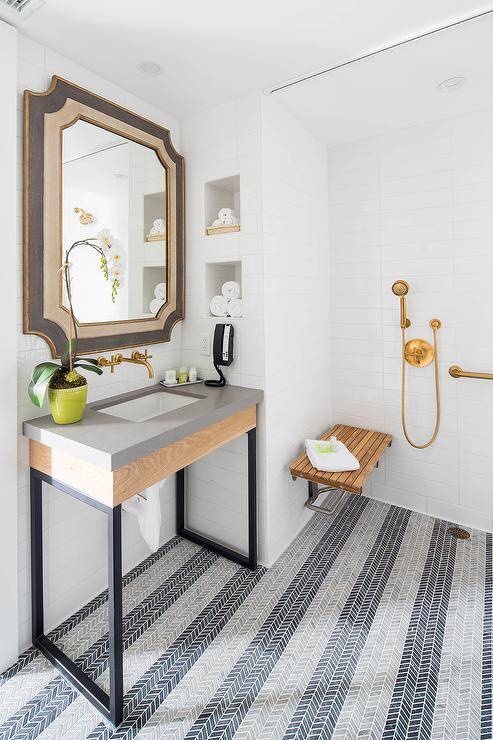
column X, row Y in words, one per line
column 114, row 360
column 141, row 356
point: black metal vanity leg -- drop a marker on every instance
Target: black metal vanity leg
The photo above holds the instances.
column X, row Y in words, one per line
column 115, row 614
column 250, row 560
column 37, row 605
column 111, row 706
column 252, row 498
column 180, row 501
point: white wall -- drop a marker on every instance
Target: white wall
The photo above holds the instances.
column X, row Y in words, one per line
column 283, row 249
column 417, row 204
column 220, row 143
column 8, row 369
column 75, row 551
column 296, row 259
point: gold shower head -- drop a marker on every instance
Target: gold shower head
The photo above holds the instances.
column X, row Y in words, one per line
column 400, row 288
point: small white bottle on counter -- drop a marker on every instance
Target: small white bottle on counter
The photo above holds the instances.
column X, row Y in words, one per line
column 170, row 376
column 192, row 374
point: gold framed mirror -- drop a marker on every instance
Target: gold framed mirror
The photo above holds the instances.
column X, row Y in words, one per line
column 96, row 172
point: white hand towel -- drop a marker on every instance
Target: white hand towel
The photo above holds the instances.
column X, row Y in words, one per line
column 231, row 290
column 160, row 291
column 235, row 307
column 148, row 513
column 331, row 462
column 155, row 305
column 218, row 305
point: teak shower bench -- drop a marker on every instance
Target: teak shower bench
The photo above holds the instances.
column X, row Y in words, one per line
column 367, row 446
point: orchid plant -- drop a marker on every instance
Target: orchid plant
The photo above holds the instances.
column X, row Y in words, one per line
column 64, row 373
column 112, row 260
column 61, row 374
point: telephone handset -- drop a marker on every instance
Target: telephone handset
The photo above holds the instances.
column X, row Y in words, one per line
column 222, row 352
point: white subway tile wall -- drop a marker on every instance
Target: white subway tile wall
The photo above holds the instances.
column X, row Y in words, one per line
column 417, row 204
column 220, row 143
column 296, row 299
column 8, row 372
column 75, row 544
column 282, row 339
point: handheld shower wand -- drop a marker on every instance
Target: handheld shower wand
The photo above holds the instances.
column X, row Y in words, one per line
column 400, row 288
column 418, row 353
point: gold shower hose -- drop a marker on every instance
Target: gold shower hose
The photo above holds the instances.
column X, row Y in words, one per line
column 435, row 326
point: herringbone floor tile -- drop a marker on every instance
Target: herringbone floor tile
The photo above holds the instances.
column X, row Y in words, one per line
column 373, row 624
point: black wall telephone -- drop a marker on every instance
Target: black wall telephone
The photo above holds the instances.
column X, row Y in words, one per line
column 222, row 351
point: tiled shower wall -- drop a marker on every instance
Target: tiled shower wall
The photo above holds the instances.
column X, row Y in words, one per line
column 75, row 545
column 417, row 204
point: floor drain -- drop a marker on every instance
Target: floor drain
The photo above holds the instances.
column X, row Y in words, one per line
column 459, row 533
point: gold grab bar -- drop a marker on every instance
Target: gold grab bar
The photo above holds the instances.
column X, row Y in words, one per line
column 457, row 372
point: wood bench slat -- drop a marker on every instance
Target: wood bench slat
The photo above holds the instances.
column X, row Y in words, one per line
column 367, row 445
column 354, row 444
column 363, row 451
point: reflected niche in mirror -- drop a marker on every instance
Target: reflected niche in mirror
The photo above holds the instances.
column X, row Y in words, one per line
column 115, row 191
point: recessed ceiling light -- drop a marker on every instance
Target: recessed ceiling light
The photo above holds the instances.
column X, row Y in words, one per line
column 453, row 83
column 150, row 68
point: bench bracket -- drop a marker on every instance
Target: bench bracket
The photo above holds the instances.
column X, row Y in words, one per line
column 314, row 492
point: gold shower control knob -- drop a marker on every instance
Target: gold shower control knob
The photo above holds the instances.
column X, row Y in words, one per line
column 418, row 352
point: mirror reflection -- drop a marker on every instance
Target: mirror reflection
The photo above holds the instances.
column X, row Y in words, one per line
column 113, row 190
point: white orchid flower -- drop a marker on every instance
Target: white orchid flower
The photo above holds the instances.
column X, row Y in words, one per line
column 116, row 263
column 105, row 239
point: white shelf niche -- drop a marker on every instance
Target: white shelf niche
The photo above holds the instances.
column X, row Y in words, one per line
column 151, row 276
column 224, row 193
column 215, row 275
column 154, row 207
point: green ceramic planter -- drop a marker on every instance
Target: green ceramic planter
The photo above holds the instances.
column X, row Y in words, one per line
column 67, row 404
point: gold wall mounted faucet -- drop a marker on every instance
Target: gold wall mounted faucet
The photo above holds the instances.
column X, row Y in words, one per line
column 136, row 358
column 111, row 363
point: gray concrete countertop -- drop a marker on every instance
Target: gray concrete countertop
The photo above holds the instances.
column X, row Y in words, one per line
column 111, row 442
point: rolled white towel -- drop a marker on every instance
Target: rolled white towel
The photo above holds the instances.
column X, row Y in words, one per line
column 160, row 291
column 231, row 290
column 331, row 462
column 235, row 308
column 155, row 305
column 218, row 305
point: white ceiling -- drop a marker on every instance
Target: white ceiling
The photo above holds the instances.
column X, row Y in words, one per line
column 82, row 139
column 399, row 88
column 214, row 51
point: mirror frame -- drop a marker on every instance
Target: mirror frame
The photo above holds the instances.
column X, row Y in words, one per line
column 46, row 115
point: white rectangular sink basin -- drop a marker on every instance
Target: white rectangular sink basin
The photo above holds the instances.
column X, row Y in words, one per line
column 147, row 407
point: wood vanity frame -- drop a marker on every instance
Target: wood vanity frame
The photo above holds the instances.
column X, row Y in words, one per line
column 106, row 490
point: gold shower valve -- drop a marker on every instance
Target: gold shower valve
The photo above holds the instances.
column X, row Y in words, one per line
column 418, row 352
